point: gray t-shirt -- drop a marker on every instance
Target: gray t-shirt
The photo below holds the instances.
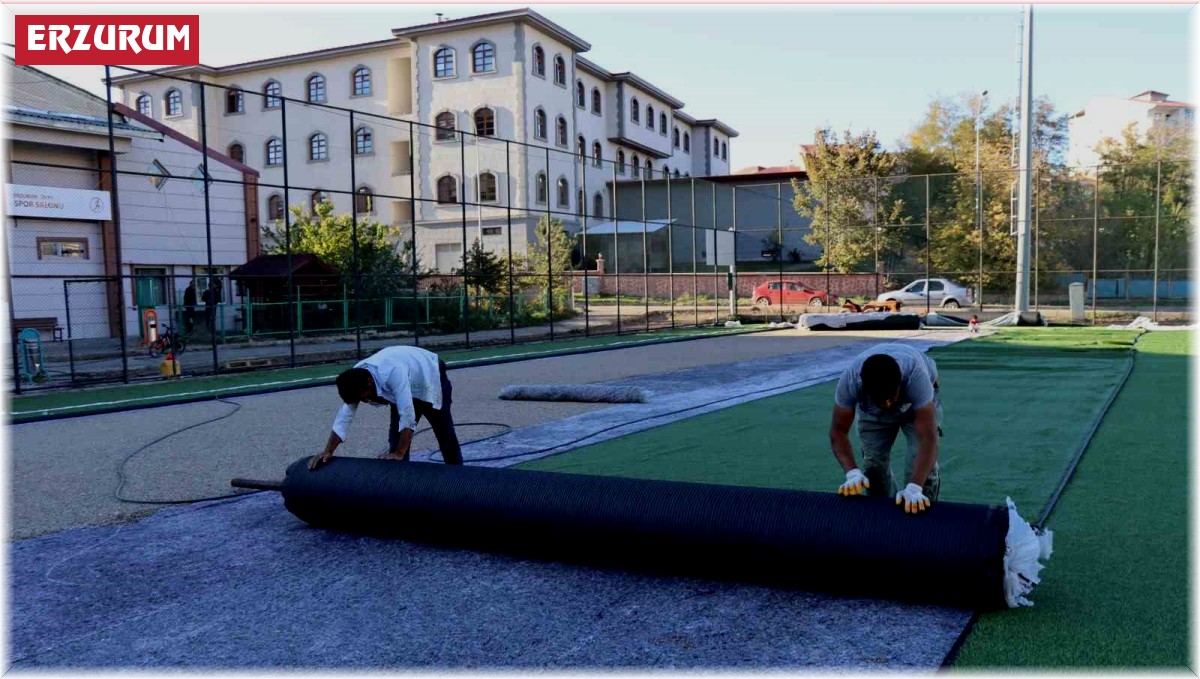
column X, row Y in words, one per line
column 918, row 373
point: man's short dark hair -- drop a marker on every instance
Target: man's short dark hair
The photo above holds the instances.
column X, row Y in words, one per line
column 880, row 377
column 352, row 383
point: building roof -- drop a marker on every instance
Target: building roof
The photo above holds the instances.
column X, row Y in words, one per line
column 183, row 139
column 645, row 86
column 37, row 98
column 717, row 125
column 523, row 15
column 592, row 68
column 277, row 265
column 776, row 169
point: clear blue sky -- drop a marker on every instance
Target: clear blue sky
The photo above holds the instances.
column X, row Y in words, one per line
column 777, row 73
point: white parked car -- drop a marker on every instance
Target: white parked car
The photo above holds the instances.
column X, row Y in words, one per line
column 939, row 292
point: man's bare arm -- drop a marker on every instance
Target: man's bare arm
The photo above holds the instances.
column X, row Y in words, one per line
column 839, row 437
column 327, row 454
column 925, row 421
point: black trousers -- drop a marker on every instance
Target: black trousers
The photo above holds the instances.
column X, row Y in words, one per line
column 440, row 420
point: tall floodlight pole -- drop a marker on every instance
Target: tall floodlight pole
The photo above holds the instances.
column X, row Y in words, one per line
column 978, row 199
column 1025, row 164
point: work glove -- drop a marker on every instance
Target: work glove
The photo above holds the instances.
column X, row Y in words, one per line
column 856, row 483
column 913, row 499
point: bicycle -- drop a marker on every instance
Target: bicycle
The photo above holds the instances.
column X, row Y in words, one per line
column 168, row 342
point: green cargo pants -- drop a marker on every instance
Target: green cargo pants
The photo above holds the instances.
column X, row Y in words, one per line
column 877, row 434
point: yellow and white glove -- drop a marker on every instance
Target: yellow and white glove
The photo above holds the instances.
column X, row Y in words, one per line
column 856, row 483
column 913, row 499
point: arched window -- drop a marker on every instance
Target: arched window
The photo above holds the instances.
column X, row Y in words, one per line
column 362, row 81
column 560, row 131
column 580, row 202
column 485, row 122
column 635, row 111
column 539, row 124
column 274, row 151
column 677, row 173
column 364, row 200
column 675, row 137
column 483, row 57
column 687, row 142
column 580, row 94
column 275, row 207
column 364, row 141
column 316, row 87
column 539, row 61
column 272, row 93
column 143, row 104
column 666, row 171
column 174, row 103
column 596, row 101
column 649, row 116
column 649, row 169
column 318, row 147
column 662, row 124
column 564, row 192
column 318, row 197
column 724, row 151
column 540, row 188
column 237, row 152
column 621, row 162
column 487, row 187
column 447, row 190
column 560, row 71
column 445, row 126
column 597, row 154
column 233, row 101
column 636, row 164
column 716, row 147
column 598, row 206
column 443, row 63
column 580, row 147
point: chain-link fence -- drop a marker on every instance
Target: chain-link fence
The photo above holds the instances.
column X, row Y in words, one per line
column 313, row 233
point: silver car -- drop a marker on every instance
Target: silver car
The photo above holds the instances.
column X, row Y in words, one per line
column 939, row 292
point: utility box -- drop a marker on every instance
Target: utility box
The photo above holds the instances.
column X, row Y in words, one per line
column 1075, row 298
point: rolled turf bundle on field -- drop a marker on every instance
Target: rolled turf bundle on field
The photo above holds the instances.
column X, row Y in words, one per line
column 953, row 554
column 586, row 393
column 871, row 320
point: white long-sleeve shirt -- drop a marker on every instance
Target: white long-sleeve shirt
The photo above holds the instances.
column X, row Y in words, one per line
column 401, row 374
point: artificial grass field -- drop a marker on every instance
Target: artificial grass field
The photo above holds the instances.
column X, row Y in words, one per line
column 1016, row 405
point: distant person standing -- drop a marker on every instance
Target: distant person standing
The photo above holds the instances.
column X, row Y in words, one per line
column 212, row 303
column 189, row 307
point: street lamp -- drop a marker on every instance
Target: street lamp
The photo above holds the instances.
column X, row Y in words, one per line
column 980, row 103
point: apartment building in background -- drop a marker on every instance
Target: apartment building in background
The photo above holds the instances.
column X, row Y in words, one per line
column 511, row 75
column 1152, row 113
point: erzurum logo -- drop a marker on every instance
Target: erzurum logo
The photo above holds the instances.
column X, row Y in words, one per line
column 96, row 40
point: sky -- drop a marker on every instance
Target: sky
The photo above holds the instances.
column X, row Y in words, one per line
column 774, row 73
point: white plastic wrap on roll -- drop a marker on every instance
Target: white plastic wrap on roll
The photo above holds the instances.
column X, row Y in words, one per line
column 1024, row 549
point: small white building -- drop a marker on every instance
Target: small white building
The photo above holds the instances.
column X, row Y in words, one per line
column 1103, row 118
column 69, row 243
column 554, row 128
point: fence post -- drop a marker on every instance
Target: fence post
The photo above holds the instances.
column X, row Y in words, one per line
column 616, row 247
column 645, row 252
column 779, row 252
column 550, row 245
column 412, row 210
column 1157, row 215
column 695, row 257
column 508, row 182
column 1095, row 240
column 116, row 220
column 357, row 289
column 465, row 304
column 287, row 237
column 583, row 210
column 928, row 238
column 208, row 221
column 670, row 247
column 17, row 341
column 875, row 220
column 733, row 262
column 1037, row 215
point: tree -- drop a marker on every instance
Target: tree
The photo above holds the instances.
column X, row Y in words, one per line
column 484, row 270
column 851, row 207
column 548, row 259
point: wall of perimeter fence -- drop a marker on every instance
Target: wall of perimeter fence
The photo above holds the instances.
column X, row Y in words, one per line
column 319, row 234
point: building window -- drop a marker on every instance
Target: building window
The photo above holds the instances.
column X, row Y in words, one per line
column 483, row 57
column 485, row 122
column 447, row 190
column 635, row 111
column 318, row 147
column 595, row 101
column 724, row 151
column 716, row 148
column 143, row 104
column 649, row 169
column 364, row 200
column 234, row 103
column 362, row 81
column 318, row 198
column 560, row 131
column 272, row 95
column 174, row 103
column 662, row 124
column 274, row 151
column 487, row 187
column 493, row 231
column 237, row 152
column 539, row 124
column 316, row 88
column 199, row 179
column 67, row 248
column 443, row 63
column 636, row 165
column 687, row 142
column 445, row 126
column 666, row 172
column 580, row 147
column 540, row 186
column 675, row 137
column 564, row 193
column 621, row 162
column 560, row 71
column 598, row 206
column 580, row 202
column 597, row 154
column 539, row 62
column 150, row 285
column 275, row 207
column 649, row 116
column 677, row 173
column 158, row 175
column 580, row 94
column 364, row 142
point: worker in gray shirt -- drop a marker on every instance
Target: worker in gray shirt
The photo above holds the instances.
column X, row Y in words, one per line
column 892, row 388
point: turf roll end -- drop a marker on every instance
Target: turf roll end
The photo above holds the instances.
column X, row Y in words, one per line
column 586, row 393
column 1025, row 547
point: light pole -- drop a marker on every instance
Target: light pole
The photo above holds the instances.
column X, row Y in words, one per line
column 980, row 103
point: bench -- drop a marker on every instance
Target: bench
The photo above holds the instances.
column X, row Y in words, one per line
column 48, row 324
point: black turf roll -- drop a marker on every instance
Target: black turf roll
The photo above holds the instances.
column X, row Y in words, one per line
column 951, row 554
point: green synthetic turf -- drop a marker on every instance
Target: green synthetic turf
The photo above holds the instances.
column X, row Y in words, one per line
column 33, row 406
column 1115, row 594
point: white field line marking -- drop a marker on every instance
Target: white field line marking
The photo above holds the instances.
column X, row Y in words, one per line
column 604, row 346
column 204, row 392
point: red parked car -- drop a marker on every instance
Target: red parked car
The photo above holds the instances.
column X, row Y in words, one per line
column 794, row 293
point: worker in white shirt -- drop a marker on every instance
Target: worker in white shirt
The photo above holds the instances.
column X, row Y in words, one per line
column 413, row 382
